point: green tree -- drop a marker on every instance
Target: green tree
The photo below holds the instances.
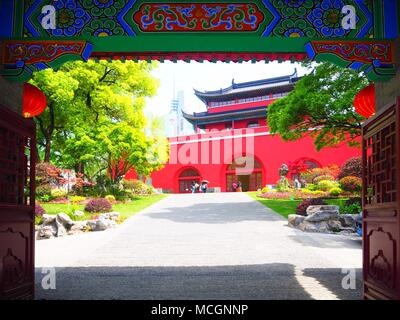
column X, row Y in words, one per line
column 59, row 89
column 320, row 105
column 102, row 120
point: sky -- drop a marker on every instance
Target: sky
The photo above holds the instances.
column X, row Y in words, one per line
column 208, row 76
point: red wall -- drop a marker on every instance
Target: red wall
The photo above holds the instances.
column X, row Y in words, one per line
column 270, row 150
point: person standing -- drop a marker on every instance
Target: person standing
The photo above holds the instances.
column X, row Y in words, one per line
column 193, row 187
column 234, row 186
column 204, row 187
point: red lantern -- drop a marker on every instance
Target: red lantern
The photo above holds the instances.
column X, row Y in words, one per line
column 34, row 101
column 364, row 102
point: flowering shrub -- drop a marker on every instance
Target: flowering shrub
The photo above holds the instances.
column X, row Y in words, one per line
column 43, row 192
column 48, row 174
column 58, row 194
column 351, row 184
column 98, row 205
column 264, row 190
column 311, row 187
column 301, row 208
column 136, row 186
column 352, row 167
column 283, row 185
column 39, row 211
column 310, row 175
column 335, row 192
column 297, row 194
column 323, row 177
column 326, row 185
column 110, row 198
column 312, row 192
column 77, row 199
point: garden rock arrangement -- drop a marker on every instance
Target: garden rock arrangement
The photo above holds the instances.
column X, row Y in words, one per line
column 61, row 224
column 324, row 219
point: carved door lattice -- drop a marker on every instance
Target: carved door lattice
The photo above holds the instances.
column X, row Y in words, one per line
column 381, row 204
column 17, row 205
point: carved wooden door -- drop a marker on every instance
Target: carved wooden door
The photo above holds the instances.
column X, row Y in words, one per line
column 381, row 204
column 17, row 205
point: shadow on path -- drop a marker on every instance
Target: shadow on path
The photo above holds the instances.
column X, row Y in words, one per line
column 257, row 282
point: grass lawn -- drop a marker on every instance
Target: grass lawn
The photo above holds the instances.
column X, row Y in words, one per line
column 286, row 207
column 126, row 209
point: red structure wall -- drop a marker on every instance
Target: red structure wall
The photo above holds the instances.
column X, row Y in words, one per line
column 197, row 151
column 235, row 125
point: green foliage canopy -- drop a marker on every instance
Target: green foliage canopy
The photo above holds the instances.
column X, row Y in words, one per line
column 321, row 105
column 95, row 120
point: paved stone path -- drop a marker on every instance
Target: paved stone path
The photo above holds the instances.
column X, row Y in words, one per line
column 201, row 246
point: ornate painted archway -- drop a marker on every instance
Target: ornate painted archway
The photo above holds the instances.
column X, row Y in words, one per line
column 37, row 34
column 45, row 33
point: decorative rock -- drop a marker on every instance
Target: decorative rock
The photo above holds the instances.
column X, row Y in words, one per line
column 92, row 224
column 78, row 213
column 101, row 224
column 322, row 213
column 110, row 215
column 47, row 232
column 61, row 230
column 348, row 220
column 294, row 220
column 334, row 225
column 48, row 219
column 78, row 227
column 64, row 220
column 114, row 215
column 308, row 226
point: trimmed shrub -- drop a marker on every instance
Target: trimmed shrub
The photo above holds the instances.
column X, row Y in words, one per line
column 311, row 187
column 352, row 167
column 264, row 190
column 283, row 185
column 136, row 186
column 353, row 200
column 58, row 194
column 301, row 208
column 326, row 185
column 323, row 177
column 43, row 190
column 98, row 205
column 351, row 184
column 110, row 198
column 335, row 192
column 150, row 190
column 351, row 206
column 77, row 199
column 310, row 175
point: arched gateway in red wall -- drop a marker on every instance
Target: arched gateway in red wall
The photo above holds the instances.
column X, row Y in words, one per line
column 186, row 178
column 357, row 34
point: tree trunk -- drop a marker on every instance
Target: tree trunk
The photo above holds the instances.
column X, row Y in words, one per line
column 80, row 168
column 47, row 150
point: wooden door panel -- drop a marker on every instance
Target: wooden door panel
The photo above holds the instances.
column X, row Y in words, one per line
column 17, row 205
column 381, row 205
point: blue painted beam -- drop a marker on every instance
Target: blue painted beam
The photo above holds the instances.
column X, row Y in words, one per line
column 7, row 10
